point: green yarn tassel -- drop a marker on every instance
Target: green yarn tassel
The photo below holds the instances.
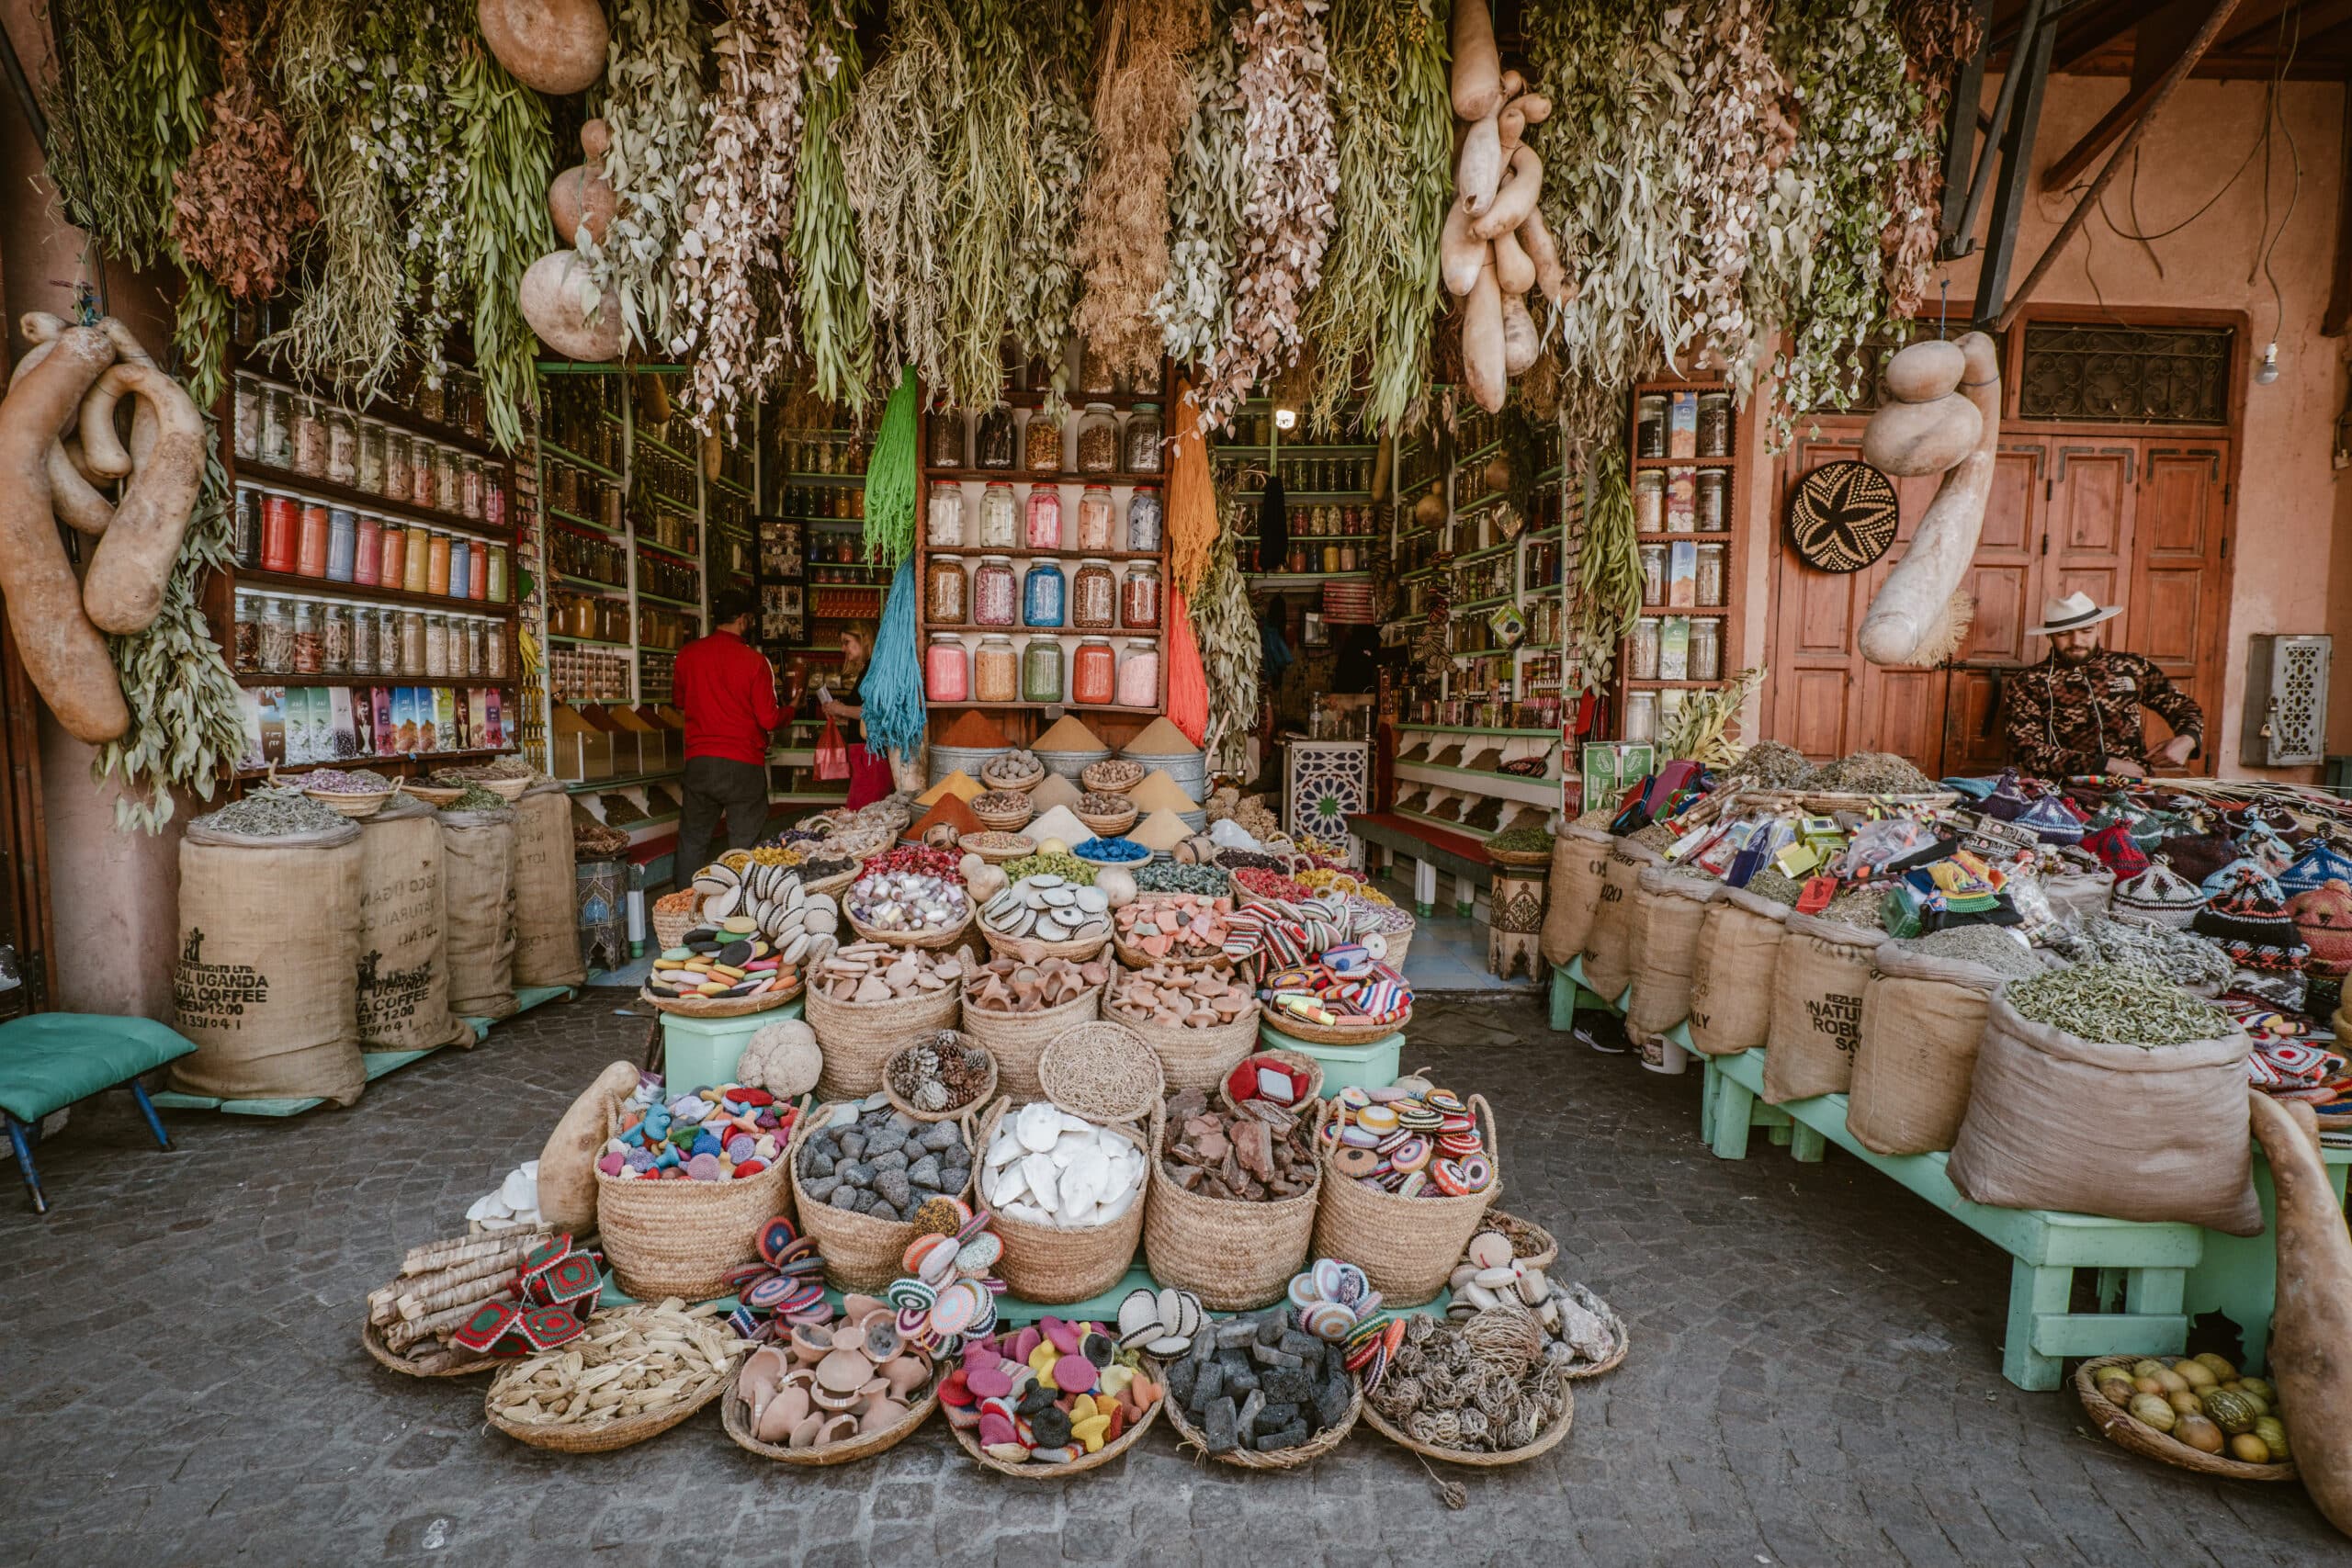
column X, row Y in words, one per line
column 890, row 479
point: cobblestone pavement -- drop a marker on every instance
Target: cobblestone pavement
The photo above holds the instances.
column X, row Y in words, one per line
column 1815, row 1377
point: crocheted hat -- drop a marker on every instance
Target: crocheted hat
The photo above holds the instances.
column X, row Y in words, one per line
column 2264, row 845
column 2116, row 851
column 2196, row 855
column 2321, row 860
column 2323, row 917
column 2008, row 800
column 2053, row 820
column 2222, row 879
column 2157, row 896
column 2249, row 920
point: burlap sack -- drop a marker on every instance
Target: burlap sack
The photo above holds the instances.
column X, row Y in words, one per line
column 1579, row 859
column 403, row 994
column 1922, row 1018
column 1669, row 910
column 2084, row 893
column 2132, row 1132
column 478, row 890
column 1731, row 972
column 265, row 979
column 547, row 915
column 1817, row 984
column 1609, row 943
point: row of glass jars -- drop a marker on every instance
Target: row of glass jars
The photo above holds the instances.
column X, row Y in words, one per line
column 955, row 673
column 281, row 428
column 1682, row 500
column 1001, row 439
column 278, row 531
column 1097, row 599
column 1005, row 524
column 283, row 635
column 1703, row 649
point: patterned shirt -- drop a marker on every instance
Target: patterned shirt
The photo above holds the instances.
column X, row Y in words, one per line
column 2069, row 718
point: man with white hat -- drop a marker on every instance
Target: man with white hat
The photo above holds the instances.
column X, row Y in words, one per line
column 2079, row 710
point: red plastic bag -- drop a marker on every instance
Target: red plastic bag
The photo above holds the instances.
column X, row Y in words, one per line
column 832, row 753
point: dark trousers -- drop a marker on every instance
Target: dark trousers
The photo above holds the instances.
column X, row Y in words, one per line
column 717, row 784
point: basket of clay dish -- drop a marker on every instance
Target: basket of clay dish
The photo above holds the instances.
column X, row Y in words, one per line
column 996, row 846
column 1029, row 950
column 1115, row 776
column 858, row 1037
column 680, row 1239
column 939, row 1039
column 934, row 938
column 1134, row 957
column 1191, row 1055
column 878, row 1421
column 1235, row 1253
column 1407, row 1248
column 2118, row 1427
column 1305, row 1453
column 1013, row 771
column 1359, row 1033
column 1002, row 810
column 1107, row 823
column 861, row 1252
column 723, row 1007
column 1549, row 1438
column 595, row 1433
column 428, row 1358
column 1018, row 1039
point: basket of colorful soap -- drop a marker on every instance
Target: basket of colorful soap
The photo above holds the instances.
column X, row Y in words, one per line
column 685, row 1182
column 1343, row 997
column 1054, row 1399
column 1412, row 1168
column 1108, row 852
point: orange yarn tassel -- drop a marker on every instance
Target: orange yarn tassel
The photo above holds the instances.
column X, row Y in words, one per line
column 1188, row 684
column 1191, row 497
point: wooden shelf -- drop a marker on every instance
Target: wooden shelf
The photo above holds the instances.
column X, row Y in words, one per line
column 427, row 760
column 1475, row 730
column 579, row 524
column 1708, row 611
column 259, row 476
column 1641, row 463
column 589, row 642
column 565, row 454
column 362, row 593
column 1066, row 706
column 1540, row 790
column 1016, row 552
column 669, row 550
column 1022, row 476
column 1663, row 537
column 590, row 585
column 1653, row 685
column 345, row 678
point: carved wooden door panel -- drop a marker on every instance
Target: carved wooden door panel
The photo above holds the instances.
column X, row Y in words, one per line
column 2176, row 610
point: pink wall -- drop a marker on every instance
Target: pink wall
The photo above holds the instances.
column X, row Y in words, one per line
column 2290, row 576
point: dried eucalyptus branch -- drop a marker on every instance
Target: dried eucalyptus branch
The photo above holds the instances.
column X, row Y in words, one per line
column 650, row 100
column 1205, row 196
column 1044, row 258
column 509, row 159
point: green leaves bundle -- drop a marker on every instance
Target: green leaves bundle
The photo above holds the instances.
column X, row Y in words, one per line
column 890, row 479
column 1205, row 196
column 509, row 159
column 836, row 319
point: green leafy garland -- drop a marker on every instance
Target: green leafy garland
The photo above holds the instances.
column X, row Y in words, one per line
column 1231, row 655
column 124, row 112
column 1608, row 569
column 836, row 317
column 509, row 159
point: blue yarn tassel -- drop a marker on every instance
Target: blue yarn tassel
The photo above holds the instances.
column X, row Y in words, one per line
column 893, row 689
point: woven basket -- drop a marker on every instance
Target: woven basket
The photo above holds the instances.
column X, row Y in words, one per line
column 833, row 884
column 2119, row 1428
column 350, row 803
column 606, row 1437
column 1029, row 950
column 442, row 1361
column 722, row 1007
column 932, row 940
column 1306, row 1453
column 861, row 1252
column 1407, row 1246
column 1096, row 779
column 506, row 789
column 1053, row 1267
column 859, row 1037
column 1018, row 1038
column 1552, row 1437
column 1530, row 1242
column 434, row 796
column 987, row 1094
column 679, row 1238
column 1105, row 1072
column 1235, row 1256
column 1519, row 857
column 1191, row 1058
column 1397, row 944
column 998, row 857
column 736, row 1419
column 970, row 1443
column 1108, row 825
column 1011, row 822
column 1330, row 1035
column 1136, row 958
column 1022, row 785
column 1607, row 1314
column 671, row 926
column 1299, row 1059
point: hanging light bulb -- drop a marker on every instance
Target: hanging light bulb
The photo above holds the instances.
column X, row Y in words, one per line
column 1287, row 419
column 2267, row 371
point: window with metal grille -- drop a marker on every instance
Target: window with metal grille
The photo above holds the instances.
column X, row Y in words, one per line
column 2101, row 373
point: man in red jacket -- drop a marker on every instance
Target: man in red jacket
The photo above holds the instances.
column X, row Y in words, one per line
column 727, row 692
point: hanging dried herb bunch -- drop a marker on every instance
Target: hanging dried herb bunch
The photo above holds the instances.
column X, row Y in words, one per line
column 1143, row 99
column 734, row 292
column 1205, row 196
column 1293, row 173
column 509, row 158
column 126, row 108
column 241, row 196
column 1938, row 36
column 1231, row 656
column 1609, row 568
column 1046, row 279
column 836, row 321
column 650, row 102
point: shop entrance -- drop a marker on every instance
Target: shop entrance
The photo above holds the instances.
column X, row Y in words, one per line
column 2136, row 516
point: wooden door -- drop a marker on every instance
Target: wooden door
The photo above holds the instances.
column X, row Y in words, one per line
column 2177, row 607
column 2004, row 580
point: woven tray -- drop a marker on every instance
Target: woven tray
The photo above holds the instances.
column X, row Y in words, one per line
column 352, row 803
column 1552, row 1437
column 723, row 1007
column 1005, row 821
column 1327, row 1034
column 866, row 1444
column 1103, row 1071
column 1108, row 826
column 604, row 1437
column 506, row 789
column 1519, row 857
column 1306, row 1453
column 970, row 1443
column 2117, row 1427
column 1530, row 1242
column 447, row 1361
column 998, row 857
column 934, row 939
column 433, row 795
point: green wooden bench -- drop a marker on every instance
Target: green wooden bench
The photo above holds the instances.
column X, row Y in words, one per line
column 49, row 1060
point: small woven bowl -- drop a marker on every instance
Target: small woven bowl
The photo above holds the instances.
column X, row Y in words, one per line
column 1003, row 821
column 1108, row 825
column 1103, row 777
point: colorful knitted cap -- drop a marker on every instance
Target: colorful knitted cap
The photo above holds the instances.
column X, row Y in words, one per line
column 2249, row 920
column 2116, row 850
column 2323, row 917
column 2264, row 845
column 2321, row 860
column 2222, row 879
column 2008, row 800
column 2158, row 897
column 2053, row 822
column 2196, row 855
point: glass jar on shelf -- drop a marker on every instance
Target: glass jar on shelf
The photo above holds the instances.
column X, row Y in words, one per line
column 1041, row 670
column 946, row 592
column 1706, row 647
column 993, row 442
column 1139, row 597
column 342, row 543
column 996, row 675
column 411, row 661
column 1144, row 455
column 1098, row 440
column 310, row 438
column 1144, row 512
column 944, row 438
column 276, row 435
column 1044, row 528
column 371, row 455
column 478, row 570
column 461, row 567
column 1649, row 426
column 1044, row 596
column 476, row 638
column 1095, row 519
column 274, row 619
column 363, row 642
column 470, row 485
column 996, row 597
column 445, row 493
column 1649, row 501
column 247, row 413
column 310, row 647
column 944, row 517
column 946, row 669
column 245, row 538
column 493, row 651
column 247, row 657
column 1000, row 519
column 1139, row 674
column 1710, row 579
column 1093, row 672
column 1653, row 562
column 343, row 447
column 399, row 478
column 310, row 545
column 1641, row 715
column 433, row 399
column 367, row 557
column 1041, row 443
column 436, row 645
column 334, row 639
column 1714, row 424
column 1713, row 504
column 1093, row 597
column 436, row 566
column 1643, row 664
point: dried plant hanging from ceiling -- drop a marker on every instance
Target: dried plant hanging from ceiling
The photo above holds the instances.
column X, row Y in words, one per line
column 1938, row 36
column 1205, row 196
column 125, row 109
column 1609, row 568
column 1294, row 174
column 242, row 196
column 733, row 273
column 1143, row 100
column 937, row 158
column 509, row 158
column 1045, row 278
column 1393, row 131
column 836, row 321
column 650, row 101
column 1231, row 656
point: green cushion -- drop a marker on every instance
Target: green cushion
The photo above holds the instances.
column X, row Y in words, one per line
column 52, row 1059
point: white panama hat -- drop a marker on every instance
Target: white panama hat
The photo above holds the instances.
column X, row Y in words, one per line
column 2072, row 614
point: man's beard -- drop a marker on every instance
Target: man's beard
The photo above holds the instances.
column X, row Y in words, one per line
column 2076, row 655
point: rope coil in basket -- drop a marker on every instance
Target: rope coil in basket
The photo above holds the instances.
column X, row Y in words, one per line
column 1552, row 1436
column 858, row 1038
column 866, row 1444
column 1051, row 1265
column 1017, row 1040
column 2116, row 1426
column 1407, row 1246
column 1189, row 1058
column 1103, row 1071
column 1305, row 1453
column 861, row 1253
